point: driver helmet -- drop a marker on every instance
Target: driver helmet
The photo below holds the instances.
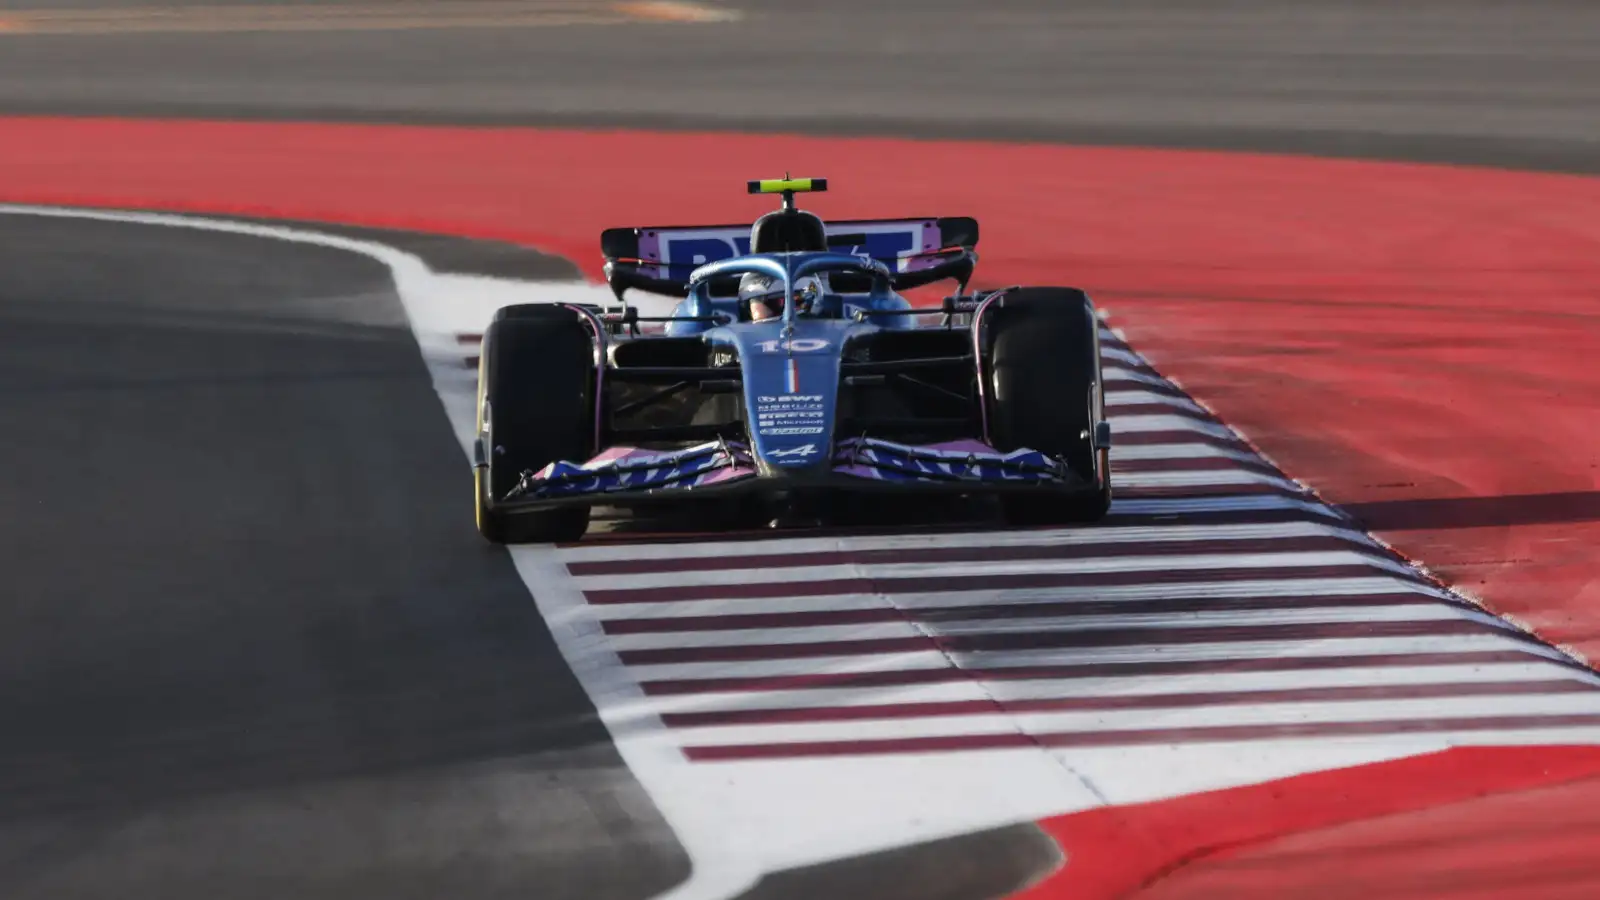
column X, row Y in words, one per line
column 763, row 294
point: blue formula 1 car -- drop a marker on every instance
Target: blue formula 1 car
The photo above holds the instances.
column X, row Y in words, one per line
column 792, row 373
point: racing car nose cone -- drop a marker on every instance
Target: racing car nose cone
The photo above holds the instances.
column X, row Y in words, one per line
column 791, row 382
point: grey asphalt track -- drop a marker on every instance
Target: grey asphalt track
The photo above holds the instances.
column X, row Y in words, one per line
column 1489, row 81
column 251, row 646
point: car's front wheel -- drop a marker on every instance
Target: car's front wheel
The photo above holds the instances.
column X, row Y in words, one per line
column 535, row 406
column 1046, row 394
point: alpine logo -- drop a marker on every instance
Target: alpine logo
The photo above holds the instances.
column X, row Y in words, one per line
column 803, row 450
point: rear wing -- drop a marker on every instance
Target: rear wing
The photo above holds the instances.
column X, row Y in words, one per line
column 917, row 251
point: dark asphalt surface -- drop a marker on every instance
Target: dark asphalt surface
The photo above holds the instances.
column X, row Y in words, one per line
column 250, row 645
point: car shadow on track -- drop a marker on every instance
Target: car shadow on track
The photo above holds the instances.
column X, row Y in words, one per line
column 1478, row 512
column 730, row 522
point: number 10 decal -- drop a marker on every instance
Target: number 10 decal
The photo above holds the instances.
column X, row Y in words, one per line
column 793, row 345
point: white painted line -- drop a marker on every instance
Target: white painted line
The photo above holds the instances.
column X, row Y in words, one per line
column 1114, row 374
column 1149, row 422
column 1222, row 652
column 1230, row 682
column 1374, row 582
column 1308, row 713
column 809, row 634
column 1074, row 537
column 1144, row 719
column 1276, row 587
column 1161, row 622
column 974, row 569
column 1181, row 506
column 1115, row 399
column 1057, row 624
column 1341, row 648
column 816, row 698
column 814, row 665
column 1534, row 737
column 994, row 723
column 1128, row 686
column 1198, row 478
column 1178, row 451
column 653, row 609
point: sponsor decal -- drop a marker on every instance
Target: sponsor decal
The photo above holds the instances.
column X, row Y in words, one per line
column 790, row 430
column 691, row 247
column 696, row 248
column 790, row 414
column 803, row 450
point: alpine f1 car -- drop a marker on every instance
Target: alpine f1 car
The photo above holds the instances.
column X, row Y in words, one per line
column 791, row 372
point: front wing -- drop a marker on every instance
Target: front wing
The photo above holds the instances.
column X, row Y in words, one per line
column 625, row 475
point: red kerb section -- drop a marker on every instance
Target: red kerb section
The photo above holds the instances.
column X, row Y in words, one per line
column 1465, row 824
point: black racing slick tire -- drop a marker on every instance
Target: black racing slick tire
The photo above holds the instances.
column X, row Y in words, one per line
column 1047, row 394
column 536, row 382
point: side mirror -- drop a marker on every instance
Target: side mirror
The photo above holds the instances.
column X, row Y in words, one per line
column 622, row 276
column 959, row 267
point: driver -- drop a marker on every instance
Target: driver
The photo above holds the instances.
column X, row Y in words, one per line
column 763, row 295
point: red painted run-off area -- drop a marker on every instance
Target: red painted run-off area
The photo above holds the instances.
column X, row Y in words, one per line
column 1418, row 343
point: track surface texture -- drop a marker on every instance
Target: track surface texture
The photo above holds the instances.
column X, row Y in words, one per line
column 253, row 650
column 1450, row 80
column 247, row 649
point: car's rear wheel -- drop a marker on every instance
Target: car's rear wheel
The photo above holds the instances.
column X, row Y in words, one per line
column 1046, row 394
column 535, row 406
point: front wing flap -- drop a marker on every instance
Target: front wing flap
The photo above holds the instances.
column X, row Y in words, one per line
column 961, row 462
column 622, row 469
